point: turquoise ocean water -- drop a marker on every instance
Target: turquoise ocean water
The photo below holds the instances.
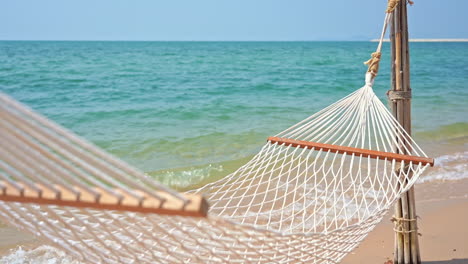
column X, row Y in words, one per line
column 190, row 112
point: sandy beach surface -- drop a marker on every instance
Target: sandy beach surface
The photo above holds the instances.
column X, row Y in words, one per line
column 442, row 208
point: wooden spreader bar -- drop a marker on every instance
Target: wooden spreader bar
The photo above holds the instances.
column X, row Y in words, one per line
column 349, row 150
column 196, row 207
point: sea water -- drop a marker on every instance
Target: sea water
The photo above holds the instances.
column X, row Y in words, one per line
column 188, row 113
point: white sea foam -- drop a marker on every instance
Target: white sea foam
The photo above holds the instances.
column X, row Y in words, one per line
column 187, row 178
column 40, row 255
column 448, row 167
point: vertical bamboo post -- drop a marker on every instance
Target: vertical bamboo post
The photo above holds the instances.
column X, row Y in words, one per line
column 406, row 237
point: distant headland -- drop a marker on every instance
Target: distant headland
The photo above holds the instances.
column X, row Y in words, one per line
column 428, row 40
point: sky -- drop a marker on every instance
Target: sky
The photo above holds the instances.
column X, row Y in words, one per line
column 218, row 20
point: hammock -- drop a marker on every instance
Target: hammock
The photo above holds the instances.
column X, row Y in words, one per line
column 311, row 194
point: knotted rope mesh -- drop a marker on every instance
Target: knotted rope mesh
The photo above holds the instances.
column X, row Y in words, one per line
column 311, row 194
column 302, row 190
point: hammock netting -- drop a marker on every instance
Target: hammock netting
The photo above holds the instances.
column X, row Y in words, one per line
column 311, row 194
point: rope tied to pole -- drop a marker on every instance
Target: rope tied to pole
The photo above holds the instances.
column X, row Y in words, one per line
column 398, row 95
column 392, row 4
column 401, row 219
column 373, row 63
column 399, row 228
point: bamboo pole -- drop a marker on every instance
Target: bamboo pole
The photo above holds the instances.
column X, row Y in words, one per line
column 406, row 236
column 395, row 84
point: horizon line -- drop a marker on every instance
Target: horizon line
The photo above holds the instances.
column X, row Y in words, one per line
column 175, row 40
column 323, row 40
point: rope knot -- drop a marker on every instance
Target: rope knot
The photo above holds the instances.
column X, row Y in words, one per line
column 373, row 63
column 392, row 4
column 399, row 225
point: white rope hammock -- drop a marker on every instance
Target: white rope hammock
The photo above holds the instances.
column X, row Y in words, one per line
column 311, row 194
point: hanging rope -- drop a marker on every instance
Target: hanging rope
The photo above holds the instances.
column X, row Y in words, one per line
column 374, row 61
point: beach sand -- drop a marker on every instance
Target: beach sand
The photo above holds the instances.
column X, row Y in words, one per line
column 11, row 238
column 442, row 207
